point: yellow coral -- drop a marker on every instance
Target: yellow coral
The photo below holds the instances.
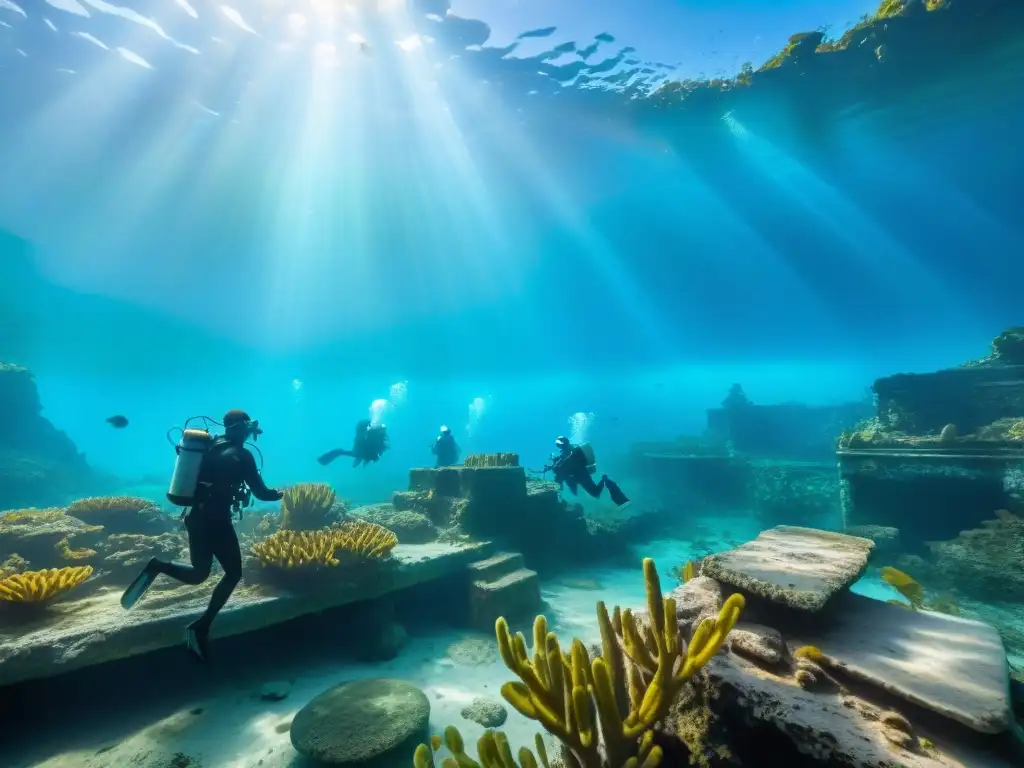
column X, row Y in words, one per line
column 604, row 709
column 906, row 585
column 296, row 549
column 811, row 652
column 1016, row 430
column 64, row 548
column 492, row 749
column 42, row 586
column 492, row 460
column 50, row 515
column 83, row 509
column 306, row 506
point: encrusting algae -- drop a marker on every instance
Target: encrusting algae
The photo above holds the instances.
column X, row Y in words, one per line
column 296, row 549
column 603, row 710
column 35, row 587
column 492, row 460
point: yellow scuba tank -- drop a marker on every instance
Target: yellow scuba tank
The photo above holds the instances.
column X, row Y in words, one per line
column 191, row 449
column 588, row 451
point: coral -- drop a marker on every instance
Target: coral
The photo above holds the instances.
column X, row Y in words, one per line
column 986, row 562
column 43, row 536
column 35, row 587
column 307, row 507
column 812, row 652
column 603, row 709
column 411, row 527
column 297, row 549
column 1008, row 346
column 492, row 748
column 68, row 553
column 125, row 553
column 118, row 514
column 1016, row 430
column 906, row 585
column 948, row 434
column 12, row 565
column 492, row 460
column 690, row 569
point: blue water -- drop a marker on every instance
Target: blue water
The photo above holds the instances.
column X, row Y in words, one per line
column 290, row 210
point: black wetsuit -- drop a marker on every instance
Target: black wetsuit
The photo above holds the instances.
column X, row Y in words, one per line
column 572, row 469
column 226, row 468
column 368, row 445
column 446, row 450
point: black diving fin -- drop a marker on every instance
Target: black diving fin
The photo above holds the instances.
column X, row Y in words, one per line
column 330, row 456
column 615, row 492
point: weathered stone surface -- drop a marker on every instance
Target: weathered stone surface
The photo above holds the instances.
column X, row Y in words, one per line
column 838, row 729
column 367, row 723
column 801, row 568
column 952, row 666
column 758, row 643
column 93, row 630
column 698, row 599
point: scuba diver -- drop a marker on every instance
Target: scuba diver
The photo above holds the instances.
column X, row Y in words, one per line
column 445, row 449
column 369, row 445
column 574, row 465
column 226, row 475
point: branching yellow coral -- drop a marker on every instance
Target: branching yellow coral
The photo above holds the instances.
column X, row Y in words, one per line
column 1016, row 431
column 492, row 460
column 296, row 549
column 306, row 506
column 42, row 586
column 604, row 709
column 492, row 749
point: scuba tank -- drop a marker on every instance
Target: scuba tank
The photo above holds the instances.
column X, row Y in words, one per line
column 588, row 451
column 191, row 449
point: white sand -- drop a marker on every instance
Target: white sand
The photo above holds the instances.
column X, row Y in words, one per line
column 235, row 729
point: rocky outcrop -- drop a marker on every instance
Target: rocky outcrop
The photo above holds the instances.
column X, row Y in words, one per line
column 39, row 465
column 832, row 678
column 411, row 527
column 986, row 563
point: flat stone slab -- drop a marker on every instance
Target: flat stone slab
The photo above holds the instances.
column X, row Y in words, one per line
column 839, row 728
column 802, row 568
column 95, row 629
column 951, row 666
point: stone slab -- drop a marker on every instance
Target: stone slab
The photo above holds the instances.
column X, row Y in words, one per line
column 95, row 629
column 836, row 728
column 952, row 666
column 801, row 568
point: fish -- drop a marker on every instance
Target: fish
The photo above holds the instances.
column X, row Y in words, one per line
column 118, row 421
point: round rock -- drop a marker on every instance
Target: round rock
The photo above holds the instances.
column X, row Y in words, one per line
column 371, row 723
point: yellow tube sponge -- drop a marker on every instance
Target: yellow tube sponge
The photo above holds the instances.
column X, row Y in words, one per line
column 37, row 587
column 492, row 750
column 306, row 506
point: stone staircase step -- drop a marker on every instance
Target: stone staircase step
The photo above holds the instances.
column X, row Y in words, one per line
column 495, row 566
column 513, row 595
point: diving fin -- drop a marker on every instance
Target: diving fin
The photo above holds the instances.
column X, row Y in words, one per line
column 139, row 587
column 197, row 638
column 615, row 492
column 330, row 456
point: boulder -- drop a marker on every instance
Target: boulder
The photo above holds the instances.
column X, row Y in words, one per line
column 800, row 568
column 370, row 723
column 486, row 712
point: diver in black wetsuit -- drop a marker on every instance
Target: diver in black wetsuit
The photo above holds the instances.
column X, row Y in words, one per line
column 368, row 445
column 445, row 449
column 572, row 467
column 227, row 469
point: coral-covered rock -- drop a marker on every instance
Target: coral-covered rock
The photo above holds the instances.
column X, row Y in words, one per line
column 122, row 514
column 46, row 538
column 486, row 712
column 698, row 599
column 39, row 464
column 126, row 553
column 986, row 562
column 363, row 722
column 410, row 527
column 758, row 643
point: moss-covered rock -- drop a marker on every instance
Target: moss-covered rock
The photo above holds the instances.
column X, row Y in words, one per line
column 410, row 526
column 369, row 723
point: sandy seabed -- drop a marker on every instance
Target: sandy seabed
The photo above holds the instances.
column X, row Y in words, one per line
column 233, row 727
